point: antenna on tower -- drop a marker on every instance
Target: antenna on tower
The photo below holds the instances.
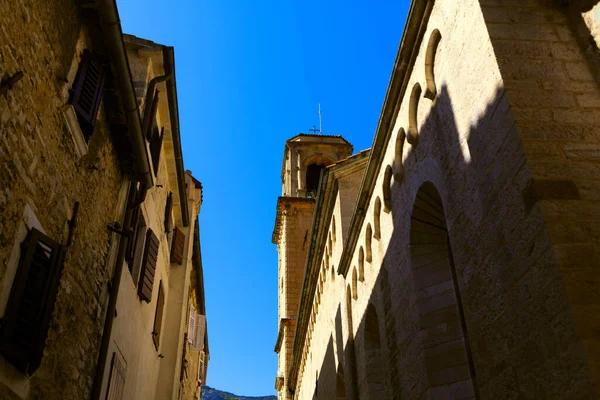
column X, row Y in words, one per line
column 320, row 120
column 314, row 129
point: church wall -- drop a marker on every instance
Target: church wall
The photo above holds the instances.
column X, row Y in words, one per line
column 522, row 340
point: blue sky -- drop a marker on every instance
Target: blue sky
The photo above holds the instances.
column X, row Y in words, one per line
column 250, row 75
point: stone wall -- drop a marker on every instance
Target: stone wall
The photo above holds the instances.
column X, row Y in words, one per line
column 42, row 177
column 511, row 126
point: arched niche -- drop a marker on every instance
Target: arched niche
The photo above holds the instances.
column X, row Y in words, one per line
column 373, row 362
column 398, row 167
column 443, row 325
column 387, row 189
column 361, row 264
column 434, row 40
column 354, row 284
column 368, row 236
column 377, row 218
column 413, row 107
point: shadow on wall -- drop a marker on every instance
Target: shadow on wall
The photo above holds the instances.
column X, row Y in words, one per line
column 468, row 300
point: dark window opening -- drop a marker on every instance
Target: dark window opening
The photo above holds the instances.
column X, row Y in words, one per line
column 313, row 175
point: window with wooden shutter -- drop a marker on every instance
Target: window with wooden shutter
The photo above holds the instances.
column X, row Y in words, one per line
column 87, row 92
column 130, row 252
column 169, row 213
column 158, row 316
column 148, row 266
column 155, row 147
column 198, row 342
column 177, row 246
column 29, row 309
column 191, row 326
column 116, row 382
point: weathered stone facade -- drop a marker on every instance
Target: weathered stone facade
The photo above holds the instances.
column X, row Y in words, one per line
column 50, row 162
column 468, row 268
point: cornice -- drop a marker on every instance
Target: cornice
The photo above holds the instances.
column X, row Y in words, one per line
column 283, row 203
column 415, row 27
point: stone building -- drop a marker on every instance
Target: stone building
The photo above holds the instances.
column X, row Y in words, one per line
column 458, row 258
column 98, row 214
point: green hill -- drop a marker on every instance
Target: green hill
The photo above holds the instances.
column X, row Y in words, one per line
column 209, row 393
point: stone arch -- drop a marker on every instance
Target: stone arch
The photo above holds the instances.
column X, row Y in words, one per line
column 413, row 107
column 438, row 296
column 361, row 264
column 398, row 167
column 340, row 383
column 377, row 218
column 330, row 246
column 368, row 236
column 387, row 189
column 374, row 363
column 354, row 284
column 434, row 40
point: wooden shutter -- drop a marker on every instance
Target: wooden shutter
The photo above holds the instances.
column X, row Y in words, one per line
column 150, row 117
column 135, row 222
column 198, row 343
column 158, row 316
column 155, row 147
column 177, row 246
column 87, row 91
column 191, row 326
column 116, row 382
column 31, row 302
column 148, row 267
column 168, row 213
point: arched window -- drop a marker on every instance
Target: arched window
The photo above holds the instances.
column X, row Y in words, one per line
column 374, row 364
column 439, row 301
column 413, row 106
column 332, row 273
column 387, row 189
column 377, row 218
column 432, row 46
column 354, row 284
column 313, row 174
column 398, row 168
column 329, row 243
column 361, row 264
column 368, row 236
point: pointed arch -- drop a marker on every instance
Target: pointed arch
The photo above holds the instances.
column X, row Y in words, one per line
column 413, row 108
column 434, row 40
column 361, row 264
column 374, row 363
column 332, row 273
column 438, row 296
column 329, row 244
column 398, row 167
column 377, row 218
column 368, row 236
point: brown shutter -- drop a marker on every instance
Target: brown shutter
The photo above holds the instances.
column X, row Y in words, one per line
column 160, row 303
column 148, row 267
column 135, row 221
column 29, row 309
column 168, row 213
column 150, row 117
column 177, row 246
column 116, row 383
column 155, row 147
column 87, row 91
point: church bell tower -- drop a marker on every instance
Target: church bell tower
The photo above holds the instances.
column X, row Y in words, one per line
column 304, row 157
